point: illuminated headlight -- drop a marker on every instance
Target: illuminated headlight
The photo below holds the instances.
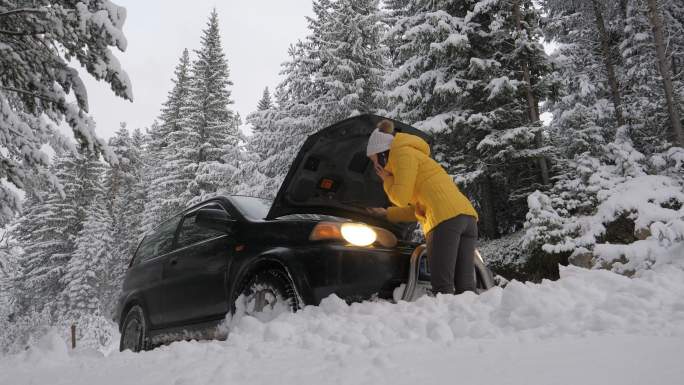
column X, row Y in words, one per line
column 358, row 234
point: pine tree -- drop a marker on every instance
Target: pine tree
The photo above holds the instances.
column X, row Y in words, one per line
column 334, row 73
column 346, row 42
column 472, row 72
column 48, row 230
column 123, row 199
column 265, row 103
column 671, row 99
column 39, row 39
column 87, row 276
column 255, row 181
column 643, row 96
column 212, row 129
column 168, row 165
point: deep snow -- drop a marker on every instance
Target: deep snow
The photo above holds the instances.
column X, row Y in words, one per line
column 590, row 327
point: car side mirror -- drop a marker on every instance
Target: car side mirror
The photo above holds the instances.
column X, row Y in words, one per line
column 214, row 219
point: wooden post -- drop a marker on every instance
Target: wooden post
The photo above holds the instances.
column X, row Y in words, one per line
column 73, row 336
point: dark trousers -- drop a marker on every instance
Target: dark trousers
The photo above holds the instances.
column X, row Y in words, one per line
column 451, row 253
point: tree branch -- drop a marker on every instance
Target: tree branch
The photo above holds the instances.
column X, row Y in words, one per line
column 29, row 93
column 21, row 33
column 22, row 10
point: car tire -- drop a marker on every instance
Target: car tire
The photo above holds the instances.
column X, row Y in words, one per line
column 134, row 331
column 266, row 294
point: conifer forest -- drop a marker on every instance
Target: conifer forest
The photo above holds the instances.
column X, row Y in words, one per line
column 560, row 120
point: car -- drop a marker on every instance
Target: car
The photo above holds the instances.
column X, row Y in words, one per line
column 262, row 257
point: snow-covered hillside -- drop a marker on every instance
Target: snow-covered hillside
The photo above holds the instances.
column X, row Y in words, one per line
column 590, row 327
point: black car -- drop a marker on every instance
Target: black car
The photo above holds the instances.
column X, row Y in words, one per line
column 262, row 257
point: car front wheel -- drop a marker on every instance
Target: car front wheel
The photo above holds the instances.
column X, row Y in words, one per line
column 134, row 331
column 266, row 295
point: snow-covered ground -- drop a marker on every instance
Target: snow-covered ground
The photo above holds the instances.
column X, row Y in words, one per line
column 590, row 327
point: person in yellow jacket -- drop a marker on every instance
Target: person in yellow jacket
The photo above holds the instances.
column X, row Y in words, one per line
column 421, row 190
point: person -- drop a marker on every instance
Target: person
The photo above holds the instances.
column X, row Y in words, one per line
column 421, row 189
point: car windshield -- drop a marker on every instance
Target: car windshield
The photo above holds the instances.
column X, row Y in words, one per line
column 251, row 207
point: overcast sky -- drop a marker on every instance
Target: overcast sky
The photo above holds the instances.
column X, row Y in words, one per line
column 255, row 36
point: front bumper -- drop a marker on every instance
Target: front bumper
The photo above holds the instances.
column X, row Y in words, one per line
column 352, row 273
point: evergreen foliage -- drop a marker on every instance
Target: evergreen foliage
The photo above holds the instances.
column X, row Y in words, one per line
column 211, row 135
column 38, row 39
column 48, row 230
column 458, row 73
column 168, row 165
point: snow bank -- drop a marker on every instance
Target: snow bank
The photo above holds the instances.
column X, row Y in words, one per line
column 591, row 326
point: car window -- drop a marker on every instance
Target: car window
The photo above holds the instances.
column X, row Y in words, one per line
column 191, row 233
column 158, row 242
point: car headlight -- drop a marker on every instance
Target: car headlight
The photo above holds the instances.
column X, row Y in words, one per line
column 358, row 234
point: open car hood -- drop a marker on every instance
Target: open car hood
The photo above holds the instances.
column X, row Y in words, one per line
column 332, row 175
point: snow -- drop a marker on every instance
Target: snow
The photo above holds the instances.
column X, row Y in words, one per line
column 590, row 327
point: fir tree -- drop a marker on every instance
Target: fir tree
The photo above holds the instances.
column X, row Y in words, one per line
column 87, row 276
column 472, row 72
column 40, row 40
column 212, row 129
column 48, row 230
column 168, row 165
column 334, row 73
column 265, row 103
column 346, row 42
column 123, row 199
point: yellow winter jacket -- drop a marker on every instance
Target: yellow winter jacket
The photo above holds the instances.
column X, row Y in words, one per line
column 419, row 186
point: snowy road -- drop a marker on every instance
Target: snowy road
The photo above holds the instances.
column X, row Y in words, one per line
column 590, row 327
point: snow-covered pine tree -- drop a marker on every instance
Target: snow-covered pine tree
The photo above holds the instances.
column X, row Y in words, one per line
column 168, row 164
column 643, row 95
column 293, row 118
column 334, row 73
column 212, row 129
column 48, row 230
column 87, row 275
column 256, row 149
column 265, row 103
column 39, row 41
column 600, row 203
column 460, row 73
column 663, row 58
column 123, row 198
column 351, row 60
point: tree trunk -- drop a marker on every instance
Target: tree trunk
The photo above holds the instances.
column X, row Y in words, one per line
column 488, row 208
column 532, row 104
column 664, row 67
column 610, row 68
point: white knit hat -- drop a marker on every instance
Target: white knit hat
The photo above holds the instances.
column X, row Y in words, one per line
column 379, row 142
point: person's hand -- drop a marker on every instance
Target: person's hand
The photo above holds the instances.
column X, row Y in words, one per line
column 420, row 211
column 382, row 173
column 379, row 212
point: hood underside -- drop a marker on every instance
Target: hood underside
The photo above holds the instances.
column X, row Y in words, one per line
column 332, row 175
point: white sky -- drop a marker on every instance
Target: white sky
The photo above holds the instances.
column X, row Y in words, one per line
column 255, row 36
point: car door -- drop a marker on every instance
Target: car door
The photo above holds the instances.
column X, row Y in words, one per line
column 148, row 265
column 195, row 273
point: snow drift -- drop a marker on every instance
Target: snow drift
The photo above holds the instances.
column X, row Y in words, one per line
column 591, row 326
